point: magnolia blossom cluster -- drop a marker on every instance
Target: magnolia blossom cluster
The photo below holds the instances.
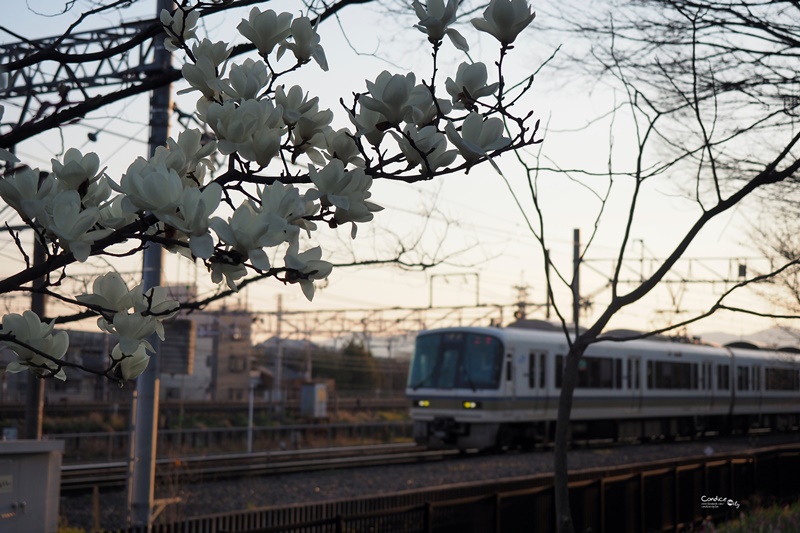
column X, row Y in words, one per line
column 310, row 172
column 131, row 315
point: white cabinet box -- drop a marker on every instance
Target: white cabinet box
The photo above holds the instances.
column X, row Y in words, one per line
column 30, row 485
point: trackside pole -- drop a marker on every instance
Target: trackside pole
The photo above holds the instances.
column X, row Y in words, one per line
column 141, row 486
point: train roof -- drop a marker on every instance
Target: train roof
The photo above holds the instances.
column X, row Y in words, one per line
column 553, row 336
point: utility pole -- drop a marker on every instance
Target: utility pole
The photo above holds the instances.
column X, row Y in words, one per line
column 576, row 280
column 277, row 398
column 145, row 400
column 34, row 389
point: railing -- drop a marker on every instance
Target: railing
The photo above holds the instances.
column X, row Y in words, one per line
column 114, row 446
column 667, row 496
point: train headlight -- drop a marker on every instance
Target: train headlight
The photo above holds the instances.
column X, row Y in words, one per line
column 423, row 403
column 471, row 405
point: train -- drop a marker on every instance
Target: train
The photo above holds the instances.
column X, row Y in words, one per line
column 495, row 388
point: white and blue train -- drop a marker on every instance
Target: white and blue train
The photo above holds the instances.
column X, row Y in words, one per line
column 474, row 387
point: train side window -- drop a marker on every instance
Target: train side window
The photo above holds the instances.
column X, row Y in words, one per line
column 780, row 379
column 629, row 368
column 596, row 372
column 531, row 370
column 618, row 371
column 668, row 375
column 636, row 373
column 542, row 369
column 649, row 374
column 723, row 377
column 742, row 378
column 509, row 368
column 559, row 370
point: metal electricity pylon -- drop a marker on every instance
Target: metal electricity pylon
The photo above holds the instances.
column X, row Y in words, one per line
column 72, row 67
column 85, row 60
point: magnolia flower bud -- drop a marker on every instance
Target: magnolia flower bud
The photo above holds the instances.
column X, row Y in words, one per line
column 505, row 19
column 434, row 20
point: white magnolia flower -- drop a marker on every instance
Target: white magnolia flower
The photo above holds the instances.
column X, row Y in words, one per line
column 423, row 110
column 250, row 230
column 130, row 365
column 27, row 328
column 478, row 137
column 247, row 80
column 205, row 74
column 369, row 124
column 346, row 191
column 72, row 224
column 110, row 292
column 27, row 193
column 265, row 29
column 150, row 186
column 285, row 202
column 434, row 19
column 310, row 265
column 308, row 135
column 202, row 76
column 112, row 214
column 389, row 96
column 179, row 27
column 223, row 267
column 469, row 85
column 157, row 304
column 132, row 329
column 193, row 217
column 77, row 168
column 242, row 128
column 429, row 148
column 505, row 19
column 188, row 156
column 341, row 145
column 305, row 43
column 97, row 192
column 295, row 104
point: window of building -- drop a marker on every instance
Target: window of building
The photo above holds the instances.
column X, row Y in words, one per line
column 237, row 363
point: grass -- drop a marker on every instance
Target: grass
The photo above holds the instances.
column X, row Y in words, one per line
column 773, row 519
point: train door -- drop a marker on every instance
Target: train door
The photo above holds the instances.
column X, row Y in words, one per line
column 634, row 381
column 757, row 387
column 707, row 384
column 535, row 380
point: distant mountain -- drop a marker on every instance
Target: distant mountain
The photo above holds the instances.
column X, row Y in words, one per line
column 772, row 337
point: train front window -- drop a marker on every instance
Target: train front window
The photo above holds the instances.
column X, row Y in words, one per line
column 456, row 360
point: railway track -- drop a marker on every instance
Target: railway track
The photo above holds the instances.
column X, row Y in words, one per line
column 202, row 468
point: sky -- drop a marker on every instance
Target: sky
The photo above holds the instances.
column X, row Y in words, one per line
column 473, row 221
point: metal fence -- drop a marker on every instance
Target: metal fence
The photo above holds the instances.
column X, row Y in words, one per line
column 669, row 496
column 114, row 446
